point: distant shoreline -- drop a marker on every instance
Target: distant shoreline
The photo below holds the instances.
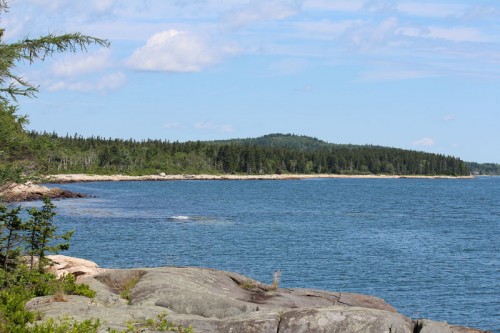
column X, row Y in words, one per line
column 77, row 178
column 29, row 191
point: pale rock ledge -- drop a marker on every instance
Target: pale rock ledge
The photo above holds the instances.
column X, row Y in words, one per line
column 217, row 301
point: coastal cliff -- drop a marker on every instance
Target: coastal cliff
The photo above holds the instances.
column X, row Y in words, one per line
column 211, row 300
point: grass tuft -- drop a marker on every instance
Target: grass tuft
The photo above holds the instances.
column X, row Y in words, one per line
column 121, row 283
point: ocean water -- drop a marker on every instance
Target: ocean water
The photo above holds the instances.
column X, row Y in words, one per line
column 429, row 247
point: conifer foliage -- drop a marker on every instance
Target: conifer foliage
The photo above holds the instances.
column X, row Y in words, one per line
column 16, row 149
column 31, row 232
column 35, row 236
column 42, row 235
column 271, row 154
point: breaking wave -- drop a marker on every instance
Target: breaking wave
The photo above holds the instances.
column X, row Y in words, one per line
column 179, row 217
column 196, row 218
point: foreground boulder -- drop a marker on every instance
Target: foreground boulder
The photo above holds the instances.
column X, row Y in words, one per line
column 217, row 301
column 80, row 268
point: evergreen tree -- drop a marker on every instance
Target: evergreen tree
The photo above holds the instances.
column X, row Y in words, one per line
column 41, row 235
column 13, row 141
column 11, row 227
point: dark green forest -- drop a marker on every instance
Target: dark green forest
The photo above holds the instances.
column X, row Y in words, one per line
column 488, row 169
column 271, row 154
column 32, row 153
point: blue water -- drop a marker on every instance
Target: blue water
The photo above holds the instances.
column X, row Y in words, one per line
column 428, row 247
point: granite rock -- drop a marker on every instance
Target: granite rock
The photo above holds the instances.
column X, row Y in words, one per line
column 217, row 301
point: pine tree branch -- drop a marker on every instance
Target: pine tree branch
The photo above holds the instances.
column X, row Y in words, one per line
column 41, row 48
column 31, row 50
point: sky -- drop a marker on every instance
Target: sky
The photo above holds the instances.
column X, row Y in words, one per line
column 420, row 75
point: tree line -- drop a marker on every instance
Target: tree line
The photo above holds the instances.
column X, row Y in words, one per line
column 23, row 154
column 76, row 154
column 487, row 169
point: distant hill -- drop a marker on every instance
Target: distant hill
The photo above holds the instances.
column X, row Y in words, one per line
column 307, row 143
column 289, row 141
column 277, row 140
column 292, row 153
column 48, row 153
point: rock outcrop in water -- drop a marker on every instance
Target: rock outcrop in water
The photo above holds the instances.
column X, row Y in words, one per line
column 13, row 192
column 217, row 301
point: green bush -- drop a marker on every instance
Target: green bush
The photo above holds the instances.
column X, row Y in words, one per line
column 159, row 324
column 14, row 317
column 20, row 285
column 70, row 287
column 65, row 325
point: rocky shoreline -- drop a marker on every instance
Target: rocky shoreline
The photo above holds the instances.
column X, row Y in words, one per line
column 13, row 192
column 29, row 191
column 211, row 300
column 72, row 178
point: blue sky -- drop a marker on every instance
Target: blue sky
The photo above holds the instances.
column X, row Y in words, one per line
column 422, row 75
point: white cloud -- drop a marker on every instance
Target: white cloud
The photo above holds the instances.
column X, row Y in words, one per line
column 206, row 126
column 261, row 10
column 449, row 117
column 210, row 126
column 423, row 142
column 431, row 37
column 328, row 29
column 51, row 5
column 102, row 85
column 389, row 74
column 431, row 10
column 481, row 12
column 412, row 31
column 178, row 51
column 373, row 34
column 342, row 5
column 385, row 28
column 380, row 7
column 452, row 34
column 82, row 64
column 14, row 27
column 174, row 125
column 103, row 5
column 458, row 34
column 111, row 81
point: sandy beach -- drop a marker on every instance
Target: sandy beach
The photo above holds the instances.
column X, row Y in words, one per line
column 70, row 178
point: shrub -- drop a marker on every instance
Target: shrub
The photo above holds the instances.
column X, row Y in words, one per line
column 122, row 283
column 159, row 324
column 66, row 325
column 69, row 286
column 14, row 317
column 20, row 285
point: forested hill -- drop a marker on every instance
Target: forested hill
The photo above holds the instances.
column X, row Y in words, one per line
column 270, row 154
column 288, row 141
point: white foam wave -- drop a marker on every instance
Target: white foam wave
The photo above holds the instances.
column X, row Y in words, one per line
column 179, row 217
column 197, row 219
